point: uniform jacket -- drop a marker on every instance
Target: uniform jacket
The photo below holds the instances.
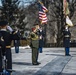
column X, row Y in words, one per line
column 34, row 40
column 8, row 37
column 66, row 39
column 41, row 38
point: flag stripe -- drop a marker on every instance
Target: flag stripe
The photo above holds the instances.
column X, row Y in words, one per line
column 44, row 9
column 42, row 13
column 65, row 7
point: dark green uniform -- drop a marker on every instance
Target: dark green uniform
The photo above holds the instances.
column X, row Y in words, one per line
column 34, row 46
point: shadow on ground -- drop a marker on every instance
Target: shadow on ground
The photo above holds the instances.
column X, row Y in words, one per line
column 55, row 54
column 41, row 73
column 21, row 63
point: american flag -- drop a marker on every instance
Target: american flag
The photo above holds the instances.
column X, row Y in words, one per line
column 42, row 13
column 65, row 7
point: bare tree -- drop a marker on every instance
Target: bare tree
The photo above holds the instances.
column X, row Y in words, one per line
column 56, row 8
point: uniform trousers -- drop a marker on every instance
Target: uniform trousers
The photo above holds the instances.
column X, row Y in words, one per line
column 40, row 49
column 9, row 59
column 34, row 55
column 66, row 50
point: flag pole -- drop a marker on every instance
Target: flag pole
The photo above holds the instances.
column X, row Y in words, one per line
column 45, row 27
column 43, row 17
column 63, row 17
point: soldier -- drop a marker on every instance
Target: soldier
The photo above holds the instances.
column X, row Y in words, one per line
column 6, row 38
column 34, row 46
column 41, row 36
column 41, row 39
column 66, row 40
column 16, row 42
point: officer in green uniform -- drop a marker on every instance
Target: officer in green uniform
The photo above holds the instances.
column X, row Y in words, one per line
column 34, row 46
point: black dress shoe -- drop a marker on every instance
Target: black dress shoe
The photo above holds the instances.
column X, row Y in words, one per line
column 38, row 62
column 68, row 55
column 35, row 63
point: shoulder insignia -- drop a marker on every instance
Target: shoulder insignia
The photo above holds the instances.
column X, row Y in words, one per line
column 2, row 39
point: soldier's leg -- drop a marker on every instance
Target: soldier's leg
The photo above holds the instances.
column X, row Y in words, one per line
column 0, row 66
column 0, row 63
column 9, row 60
column 33, row 55
column 37, row 53
column 40, row 49
column 67, row 51
column 16, row 49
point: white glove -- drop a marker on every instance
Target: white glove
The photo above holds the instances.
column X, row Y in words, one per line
column 68, row 21
column 9, row 28
column 41, row 37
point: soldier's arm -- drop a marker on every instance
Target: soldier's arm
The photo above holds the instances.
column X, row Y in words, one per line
column 16, row 35
column 2, row 45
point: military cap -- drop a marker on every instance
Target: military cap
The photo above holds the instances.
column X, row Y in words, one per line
column 3, row 23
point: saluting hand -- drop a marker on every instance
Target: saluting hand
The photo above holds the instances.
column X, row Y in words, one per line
column 9, row 28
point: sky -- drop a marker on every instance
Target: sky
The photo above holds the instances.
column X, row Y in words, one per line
column 23, row 1
column 0, row 2
column 27, row 2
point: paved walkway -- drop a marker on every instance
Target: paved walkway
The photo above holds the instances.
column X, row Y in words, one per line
column 53, row 62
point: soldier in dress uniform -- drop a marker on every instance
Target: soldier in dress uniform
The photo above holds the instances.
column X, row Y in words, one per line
column 66, row 40
column 16, row 42
column 41, row 35
column 41, row 39
column 6, row 39
column 34, row 46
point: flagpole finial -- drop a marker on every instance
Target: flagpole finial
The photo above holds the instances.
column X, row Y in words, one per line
column 40, row 2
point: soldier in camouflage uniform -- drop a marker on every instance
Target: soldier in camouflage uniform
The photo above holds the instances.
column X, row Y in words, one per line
column 34, row 46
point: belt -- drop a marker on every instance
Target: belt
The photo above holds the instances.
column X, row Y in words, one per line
column 7, row 46
column 67, row 36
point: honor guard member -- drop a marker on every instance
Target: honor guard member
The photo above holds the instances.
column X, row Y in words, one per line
column 41, row 39
column 41, row 36
column 6, row 38
column 66, row 40
column 34, row 46
column 16, row 42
